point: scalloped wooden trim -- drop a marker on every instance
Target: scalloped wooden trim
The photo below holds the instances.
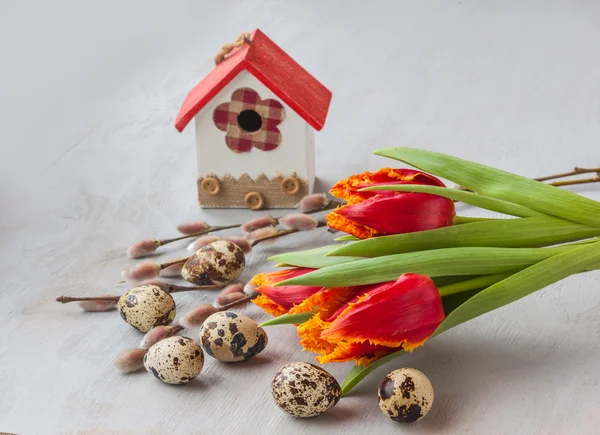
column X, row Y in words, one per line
column 234, row 190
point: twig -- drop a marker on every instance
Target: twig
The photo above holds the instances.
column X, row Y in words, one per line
column 572, row 182
column 331, row 205
column 239, row 301
column 575, row 171
column 67, row 299
column 172, row 262
column 170, row 288
column 281, row 233
column 163, row 242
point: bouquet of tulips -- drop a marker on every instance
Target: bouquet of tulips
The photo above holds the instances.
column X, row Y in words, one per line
column 410, row 269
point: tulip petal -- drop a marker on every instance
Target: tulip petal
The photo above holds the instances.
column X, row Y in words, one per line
column 268, row 306
column 326, row 302
column 404, row 314
column 279, row 300
column 310, row 335
column 363, row 353
column 347, row 189
column 397, row 214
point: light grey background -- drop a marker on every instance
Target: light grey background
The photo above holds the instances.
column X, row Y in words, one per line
column 91, row 162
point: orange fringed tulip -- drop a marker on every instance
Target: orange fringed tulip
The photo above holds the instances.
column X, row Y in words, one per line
column 348, row 189
column 374, row 321
column 279, row 300
column 378, row 213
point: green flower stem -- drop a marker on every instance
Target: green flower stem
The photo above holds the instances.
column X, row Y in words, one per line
column 472, row 284
column 467, row 220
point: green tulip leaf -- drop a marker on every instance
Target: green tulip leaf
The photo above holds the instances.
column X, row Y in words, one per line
column 523, row 283
column 345, row 238
column 433, row 263
column 510, row 289
column 503, row 233
column 312, row 258
column 503, row 185
column 288, row 319
column 481, row 201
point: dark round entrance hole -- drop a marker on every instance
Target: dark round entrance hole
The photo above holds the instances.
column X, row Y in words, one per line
column 249, row 121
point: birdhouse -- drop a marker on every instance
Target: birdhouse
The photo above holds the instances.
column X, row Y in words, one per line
column 255, row 116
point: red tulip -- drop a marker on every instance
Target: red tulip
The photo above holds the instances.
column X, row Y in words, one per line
column 279, row 300
column 378, row 213
column 376, row 320
column 348, row 189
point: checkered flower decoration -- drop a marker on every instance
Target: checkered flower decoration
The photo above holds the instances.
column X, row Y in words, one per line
column 249, row 121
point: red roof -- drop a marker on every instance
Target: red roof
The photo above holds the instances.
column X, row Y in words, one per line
column 266, row 61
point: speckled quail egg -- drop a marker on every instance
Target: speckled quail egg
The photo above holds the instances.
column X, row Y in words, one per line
column 231, row 337
column 217, row 263
column 305, row 390
column 405, row 395
column 146, row 306
column 175, row 360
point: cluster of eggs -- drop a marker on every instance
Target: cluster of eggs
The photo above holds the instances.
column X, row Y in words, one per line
column 147, row 306
column 304, row 390
column 225, row 336
column 300, row 389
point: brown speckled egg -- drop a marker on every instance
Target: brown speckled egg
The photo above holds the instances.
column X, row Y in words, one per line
column 217, row 263
column 405, row 395
column 231, row 337
column 305, row 390
column 174, row 360
column 146, row 306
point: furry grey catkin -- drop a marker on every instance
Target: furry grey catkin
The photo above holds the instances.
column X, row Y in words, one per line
column 197, row 316
column 299, row 221
column 107, row 305
column 130, row 360
column 141, row 272
column 255, row 224
column 260, row 233
column 312, row 202
column 142, row 248
column 193, row 227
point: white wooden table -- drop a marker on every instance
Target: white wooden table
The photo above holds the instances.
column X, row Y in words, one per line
column 91, row 162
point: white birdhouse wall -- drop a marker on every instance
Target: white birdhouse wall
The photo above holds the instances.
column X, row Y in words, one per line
column 240, row 143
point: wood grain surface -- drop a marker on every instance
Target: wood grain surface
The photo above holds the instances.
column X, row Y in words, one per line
column 91, row 162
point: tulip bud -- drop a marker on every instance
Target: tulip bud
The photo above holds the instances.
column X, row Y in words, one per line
column 300, row 222
column 201, row 241
column 99, row 305
column 261, row 222
column 313, row 202
column 130, row 360
column 197, row 316
column 141, row 272
column 192, row 227
column 142, row 248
